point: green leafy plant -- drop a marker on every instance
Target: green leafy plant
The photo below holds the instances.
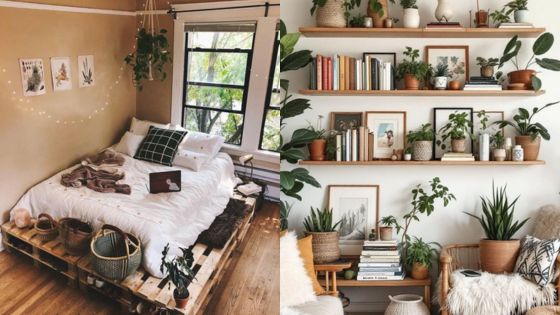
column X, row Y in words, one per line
column 285, row 209
column 407, row 4
column 320, row 221
column 411, row 65
column 500, row 16
column 330, row 136
column 541, row 46
column 517, row 5
column 523, row 123
column 376, row 7
column 178, row 270
column 418, row 251
column 457, row 128
column 425, row 133
column 497, row 215
column 490, row 62
column 497, row 140
column 348, row 6
column 317, row 4
column 150, row 57
column 441, row 70
column 357, row 21
column 390, row 221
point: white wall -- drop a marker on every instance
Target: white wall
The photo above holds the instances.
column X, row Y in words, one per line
column 537, row 185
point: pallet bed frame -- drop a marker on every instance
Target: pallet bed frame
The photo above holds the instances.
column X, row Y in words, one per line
column 210, row 264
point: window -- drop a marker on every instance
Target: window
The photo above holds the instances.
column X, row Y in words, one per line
column 217, row 67
column 270, row 133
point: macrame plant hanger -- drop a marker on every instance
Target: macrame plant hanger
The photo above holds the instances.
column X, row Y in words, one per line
column 153, row 21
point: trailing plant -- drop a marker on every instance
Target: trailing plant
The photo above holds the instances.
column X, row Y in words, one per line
column 411, row 65
column 457, row 128
column 441, row 70
column 150, row 57
column 320, row 221
column 523, row 123
column 418, row 251
column 285, row 209
column 500, row 16
column 541, row 46
column 498, row 140
column 425, row 133
column 357, row 21
column 517, row 5
column 497, row 215
column 178, row 270
column 391, row 221
column 490, row 62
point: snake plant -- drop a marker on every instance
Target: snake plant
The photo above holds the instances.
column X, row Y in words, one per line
column 320, row 221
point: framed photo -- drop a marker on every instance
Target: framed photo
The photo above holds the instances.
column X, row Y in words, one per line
column 455, row 57
column 86, row 71
column 491, row 117
column 358, row 208
column 441, row 117
column 342, row 121
column 384, row 57
column 389, row 132
column 61, row 74
column 32, row 77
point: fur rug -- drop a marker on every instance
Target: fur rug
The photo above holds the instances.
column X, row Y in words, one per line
column 223, row 226
column 494, row 294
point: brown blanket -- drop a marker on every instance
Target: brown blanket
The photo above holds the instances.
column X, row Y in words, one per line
column 106, row 157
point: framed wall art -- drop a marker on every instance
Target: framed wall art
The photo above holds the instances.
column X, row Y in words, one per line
column 441, row 118
column 455, row 57
column 61, row 73
column 32, row 77
column 86, row 71
column 389, row 132
column 342, row 121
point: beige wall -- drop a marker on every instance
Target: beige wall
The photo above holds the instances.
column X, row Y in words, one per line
column 34, row 146
column 128, row 5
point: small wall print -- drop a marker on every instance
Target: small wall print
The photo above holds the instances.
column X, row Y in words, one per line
column 86, row 71
column 32, row 77
column 61, row 74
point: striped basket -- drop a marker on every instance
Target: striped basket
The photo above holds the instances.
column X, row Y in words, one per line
column 116, row 254
column 46, row 228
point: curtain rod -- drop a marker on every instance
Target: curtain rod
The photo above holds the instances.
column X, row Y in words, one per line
column 266, row 6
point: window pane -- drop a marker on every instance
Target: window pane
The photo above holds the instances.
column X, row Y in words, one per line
column 228, row 125
column 220, row 68
column 215, row 97
column 227, row 40
column 271, row 132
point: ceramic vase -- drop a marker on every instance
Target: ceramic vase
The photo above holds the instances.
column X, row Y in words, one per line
column 331, row 14
column 498, row 256
column 521, row 16
column 484, row 147
column 517, row 154
column 406, row 304
column 411, row 18
column 386, row 233
column 440, row 83
column 500, row 155
column 444, row 11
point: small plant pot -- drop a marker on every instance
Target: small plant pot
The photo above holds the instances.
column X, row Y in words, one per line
column 411, row 18
column 481, row 19
column 440, row 83
column 498, row 256
column 325, row 247
column 458, row 145
column 386, row 233
column 530, row 147
column 411, row 82
column 455, row 85
column 388, row 23
column 180, row 302
column 379, row 20
column 487, row 71
column 331, row 14
column 499, row 155
column 419, row 271
column 317, row 149
column 521, row 16
column 90, row 279
column 407, row 156
column 522, row 77
column 99, row 283
column 422, row 150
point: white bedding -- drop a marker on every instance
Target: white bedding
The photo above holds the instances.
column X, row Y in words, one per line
column 177, row 218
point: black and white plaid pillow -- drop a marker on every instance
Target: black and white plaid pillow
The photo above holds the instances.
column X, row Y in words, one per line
column 536, row 259
column 160, row 145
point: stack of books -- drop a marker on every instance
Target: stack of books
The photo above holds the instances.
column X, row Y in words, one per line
column 483, row 84
column 340, row 73
column 380, row 260
column 354, row 145
column 457, row 157
column 516, row 25
column 443, row 25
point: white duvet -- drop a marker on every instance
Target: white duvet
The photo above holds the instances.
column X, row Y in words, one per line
column 157, row 219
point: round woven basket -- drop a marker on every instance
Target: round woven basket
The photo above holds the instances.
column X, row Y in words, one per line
column 76, row 235
column 331, row 14
column 422, row 150
column 46, row 228
column 325, row 247
column 116, row 254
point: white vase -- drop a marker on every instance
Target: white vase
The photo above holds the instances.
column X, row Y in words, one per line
column 406, row 304
column 411, row 18
column 500, row 155
column 521, row 16
column 484, row 147
column 440, row 83
column 444, row 11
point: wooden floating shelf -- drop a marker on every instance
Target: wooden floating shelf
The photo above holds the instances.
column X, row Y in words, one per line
column 421, row 32
column 430, row 93
column 410, row 163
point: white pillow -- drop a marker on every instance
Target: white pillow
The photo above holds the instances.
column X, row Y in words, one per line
column 202, row 143
column 190, row 159
column 141, row 127
column 129, row 143
column 295, row 285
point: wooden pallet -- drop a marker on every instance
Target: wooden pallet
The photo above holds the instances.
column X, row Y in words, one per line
column 51, row 254
column 209, row 266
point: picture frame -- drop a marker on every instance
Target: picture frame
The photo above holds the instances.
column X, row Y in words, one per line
column 86, row 71
column 456, row 57
column 358, row 207
column 385, row 57
column 493, row 116
column 441, row 117
column 61, row 73
column 32, row 77
column 342, row 121
column 389, row 132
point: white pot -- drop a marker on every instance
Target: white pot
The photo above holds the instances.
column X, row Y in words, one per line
column 440, row 83
column 407, row 156
column 411, row 18
column 444, row 11
column 500, row 155
column 406, row 304
column 484, row 147
column 521, row 16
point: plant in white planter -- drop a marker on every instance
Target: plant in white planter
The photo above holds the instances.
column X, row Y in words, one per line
column 441, row 76
column 411, row 17
column 519, row 9
column 498, row 142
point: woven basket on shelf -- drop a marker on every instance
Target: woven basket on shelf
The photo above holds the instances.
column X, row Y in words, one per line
column 76, row 235
column 325, row 247
column 46, row 228
column 331, row 14
column 116, row 254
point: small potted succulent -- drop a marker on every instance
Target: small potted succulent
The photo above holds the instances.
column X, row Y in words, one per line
column 408, row 154
column 421, row 141
column 318, row 147
column 457, row 130
column 386, row 228
column 419, row 256
column 412, row 70
column 520, row 10
column 441, row 76
column 498, row 142
column 319, row 224
column 487, row 66
column 178, row 270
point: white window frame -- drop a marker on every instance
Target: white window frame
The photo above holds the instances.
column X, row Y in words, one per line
column 265, row 39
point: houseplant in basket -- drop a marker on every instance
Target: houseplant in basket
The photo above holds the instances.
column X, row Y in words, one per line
column 386, row 228
column 178, row 270
column 419, row 257
column 457, row 130
column 412, row 70
column 529, row 132
column 441, row 76
column 333, row 13
column 421, row 141
column 498, row 251
column 487, row 66
column 320, row 226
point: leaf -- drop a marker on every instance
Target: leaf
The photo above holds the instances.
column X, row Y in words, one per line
column 543, row 44
column 302, row 137
column 287, row 44
column 295, row 61
column 536, row 82
column 302, row 174
column 549, row 64
column 287, row 180
column 292, row 154
column 524, row 113
column 294, row 108
column 510, row 45
column 283, row 29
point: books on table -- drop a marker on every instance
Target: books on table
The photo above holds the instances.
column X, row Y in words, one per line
column 380, row 260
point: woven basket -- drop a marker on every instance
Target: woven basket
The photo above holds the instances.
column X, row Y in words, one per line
column 325, row 247
column 46, row 228
column 76, row 235
column 116, row 254
column 331, row 14
column 422, row 150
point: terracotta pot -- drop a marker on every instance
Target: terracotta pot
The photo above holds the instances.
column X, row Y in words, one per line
column 386, row 233
column 499, row 155
column 498, row 256
column 419, row 271
column 379, row 20
column 487, row 71
column 180, row 302
column 458, row 145
column 422, row 150
column 530, row 147
column 454, row 85
column 325, row 247
column 522, row 76
column 481, row 19
column 411, row 82
column 317, row 149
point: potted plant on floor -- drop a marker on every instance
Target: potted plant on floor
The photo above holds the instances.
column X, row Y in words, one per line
column 178, row 270
column 419, row 257
column 457, row 130
column 441, row 76
column 421, row 141
column 526, row 77
column 487, row 66
column 520, row 10
column 412, row 70
column 320, row 226
column 498, row 251
column 386, row 228
column 498, row 141
column 529, row 133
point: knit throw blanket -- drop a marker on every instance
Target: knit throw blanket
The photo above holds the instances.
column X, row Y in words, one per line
column 494, row 294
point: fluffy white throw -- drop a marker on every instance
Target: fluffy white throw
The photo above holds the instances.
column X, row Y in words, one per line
column 295, row 285
column 494, row 294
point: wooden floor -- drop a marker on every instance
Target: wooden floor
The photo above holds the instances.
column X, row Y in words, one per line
column 251, row 284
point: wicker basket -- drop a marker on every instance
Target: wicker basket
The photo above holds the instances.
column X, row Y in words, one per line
column 331, row 14
column 46, row 228
column 76, row 235
column 325, row 247
column 116, row 254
